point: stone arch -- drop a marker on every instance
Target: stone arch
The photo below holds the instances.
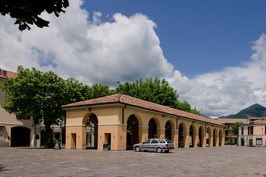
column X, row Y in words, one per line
column 168, row 130
column 20, row 136
column 181, row 135
column 201, row 136
column 220, row 137
column 132, row 131
column 91, row 123
column 208, row 137
column 192, row 135
column 153, row 126
column 214, row 137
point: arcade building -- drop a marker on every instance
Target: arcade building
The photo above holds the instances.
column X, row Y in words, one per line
column 119, row 121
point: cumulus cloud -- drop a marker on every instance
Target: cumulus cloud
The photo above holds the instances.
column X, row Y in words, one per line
column 81, row 45
column 230, row 90
column 124, row 48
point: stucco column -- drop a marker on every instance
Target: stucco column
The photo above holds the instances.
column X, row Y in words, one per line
column 204, row 139
column 175, row 137
column 161, row 133
column 143, row 133
column 196, row 140
column 187, row 139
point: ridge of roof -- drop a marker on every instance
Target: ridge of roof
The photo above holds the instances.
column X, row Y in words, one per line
column 125, row 99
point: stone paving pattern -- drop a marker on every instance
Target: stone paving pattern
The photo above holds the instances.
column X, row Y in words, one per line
column 219, row 161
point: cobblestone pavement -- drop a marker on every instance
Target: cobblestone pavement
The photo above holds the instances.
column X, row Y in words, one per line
column 221, row 161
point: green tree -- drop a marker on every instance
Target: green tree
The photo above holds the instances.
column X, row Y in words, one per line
column 157, row 91
column 27, row 12
column 98, row 90
column 40, row 96
column 153, row 90
column 234, row 127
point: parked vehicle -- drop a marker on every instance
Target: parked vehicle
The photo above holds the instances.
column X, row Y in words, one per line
column 154, row 144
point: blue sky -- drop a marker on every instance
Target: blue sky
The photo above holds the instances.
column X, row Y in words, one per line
column 213, row 53
column 197, row 36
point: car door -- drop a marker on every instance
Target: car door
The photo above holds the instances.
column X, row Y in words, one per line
column 145, row 145
column 153, row 145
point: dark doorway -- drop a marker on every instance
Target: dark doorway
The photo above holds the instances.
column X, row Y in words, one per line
column 168, row 130
column 214, row 137
column 191, row 135
column 132, row 131
column 200, row 143
column 220, row 137
column 92, row 132
column 181, row 140
column 152, row 129
column 250, row 142
column 20, row 137
column 242, row 142
column 208, row 138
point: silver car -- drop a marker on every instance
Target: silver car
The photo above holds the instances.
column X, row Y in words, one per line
column 154, row 144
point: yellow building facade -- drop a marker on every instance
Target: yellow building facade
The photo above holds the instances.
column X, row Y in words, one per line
column 119, row 121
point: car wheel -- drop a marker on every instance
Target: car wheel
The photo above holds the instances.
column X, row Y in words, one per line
column 159, row 150
column 137, row 149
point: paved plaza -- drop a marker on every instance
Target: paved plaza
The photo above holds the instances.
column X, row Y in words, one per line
column 220, row 161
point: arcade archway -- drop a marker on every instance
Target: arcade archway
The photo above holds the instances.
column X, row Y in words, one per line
column 152, row 129
column 132, row 131
column 20, row 137
column 92, row 132
column 220, row 137
column 208, row 137
column 168, row 130
column 201, row 137
column 181, row 135
column 214, row 137
column 191, row 136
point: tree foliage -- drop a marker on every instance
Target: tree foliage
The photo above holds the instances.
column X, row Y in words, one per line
column 234, row 127
column 28, row 11
column 153, row 90
column 41, row 95
column 157, row 91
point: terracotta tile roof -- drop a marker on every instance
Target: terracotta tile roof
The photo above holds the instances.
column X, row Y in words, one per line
column 7, row 74
column 125, row 99
column 230, row 120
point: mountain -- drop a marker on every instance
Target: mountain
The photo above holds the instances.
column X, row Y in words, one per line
column 255, row 110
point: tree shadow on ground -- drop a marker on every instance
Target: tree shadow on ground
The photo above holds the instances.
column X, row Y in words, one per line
column 3, row 168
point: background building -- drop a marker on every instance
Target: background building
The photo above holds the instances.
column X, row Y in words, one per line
column 15, row 131
column 253, row 133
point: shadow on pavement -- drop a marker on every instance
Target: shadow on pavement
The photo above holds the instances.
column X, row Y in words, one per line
column 3, row 168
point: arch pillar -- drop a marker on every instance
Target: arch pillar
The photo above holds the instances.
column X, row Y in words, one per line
column 204, row 138
column 143, row 133
column 187, row 138
column 160, row 132
column 196, row 139
column 175, row 137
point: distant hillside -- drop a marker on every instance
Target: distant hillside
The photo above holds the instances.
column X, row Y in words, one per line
column 255, row 110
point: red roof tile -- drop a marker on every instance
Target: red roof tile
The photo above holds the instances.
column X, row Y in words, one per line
column 7, row 74
column 125, row 99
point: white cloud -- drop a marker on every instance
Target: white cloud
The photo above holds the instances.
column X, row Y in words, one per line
column 230, row 90
column 126, row 49
column 92, row 51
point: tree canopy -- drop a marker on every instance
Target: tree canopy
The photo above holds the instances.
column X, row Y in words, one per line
column 234, row 127
column 40, row 95
column 157, row 91
column 27, row 12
